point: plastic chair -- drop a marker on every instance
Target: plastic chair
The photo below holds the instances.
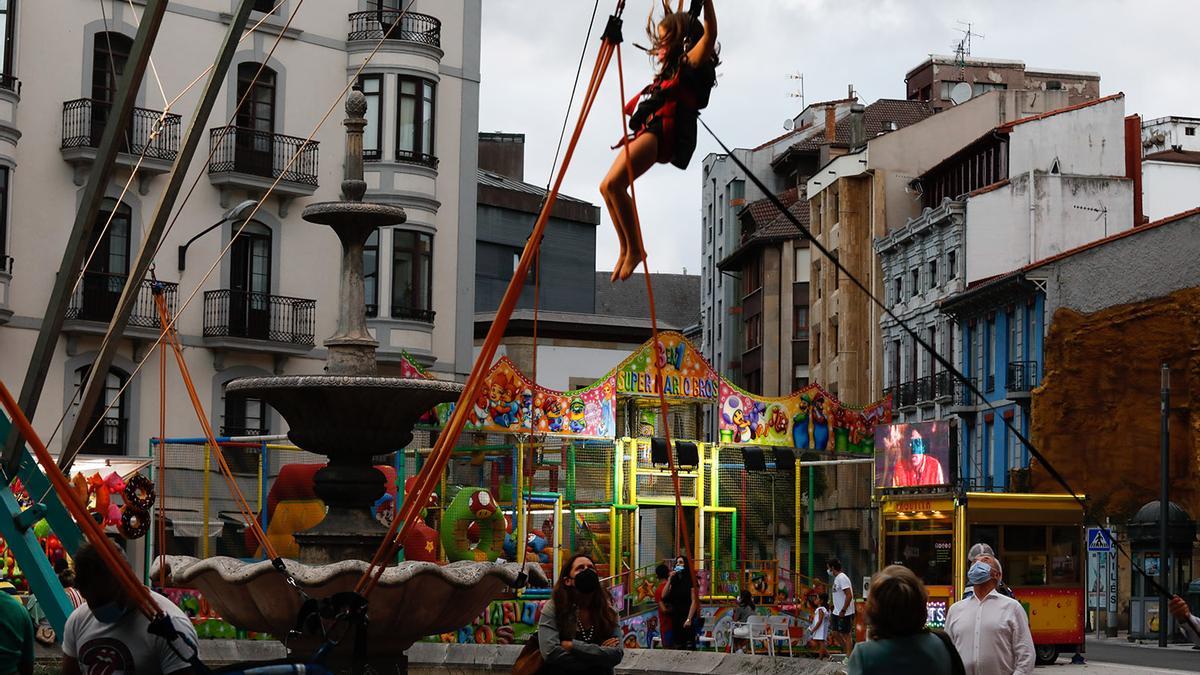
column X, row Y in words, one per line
column 707, row 636
column 781, row 629
column 757, row 631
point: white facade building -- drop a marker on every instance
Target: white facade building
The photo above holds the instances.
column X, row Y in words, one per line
column 1170, row 166
column 271, row 299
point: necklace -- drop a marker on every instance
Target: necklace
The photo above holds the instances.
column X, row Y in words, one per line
column 587, row 634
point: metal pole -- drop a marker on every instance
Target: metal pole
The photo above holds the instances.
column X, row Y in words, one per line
column 85, row 221
column 812, row 519
column 1164, row 500
column 145, row 258
column 1101, row 592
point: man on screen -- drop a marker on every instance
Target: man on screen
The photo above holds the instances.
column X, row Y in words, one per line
column 915, row 466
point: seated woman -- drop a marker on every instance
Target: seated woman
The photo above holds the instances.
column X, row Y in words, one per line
column 741, row 614
column 664, row 124
column 578, row 631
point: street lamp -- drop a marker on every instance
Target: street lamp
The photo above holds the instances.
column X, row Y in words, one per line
column 236, row 213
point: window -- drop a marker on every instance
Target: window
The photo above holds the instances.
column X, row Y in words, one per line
column 951, row 267
column 833, row 345
column 721, row 216
column 414, row 135
column 244, row 416
column 412, row 275
column 933, row 273
column 800, row 322
column 1187, row 131
column 531, row 277
column 371, row 274
column 250, row 282
column 254, row 145
column 3, row 212
column 931, row 339
column 752, row 277
column 737, row 192
column 264, row 6
column 989, row 352
column 916, row 282
column 8, row 28
column 816, row 344
column 104, row 277
column 895, row 364
column 707, row 225
column 110, row 52
column 803, row 265
column 897, row 290
column 109, row 428
column 372, row 89
column 754, row 332
column 835, row 271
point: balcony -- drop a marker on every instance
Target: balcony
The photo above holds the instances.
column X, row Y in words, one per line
column 95, row 301
column 963, row 400
column 151, row 139
column 413, row 314
column 258, row 322
column 413, row 28
column 924, row 390
column 418, row 158
column 6, row 266
column 10, row 96
column 907, row 397
column 943, row 387
column 1022, row 377
column 250, row 160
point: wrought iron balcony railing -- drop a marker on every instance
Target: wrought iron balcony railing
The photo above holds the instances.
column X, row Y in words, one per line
column 96, row 298
column 259, row 316
column 409, row 157
column 925, row 389
column 943, row 385
column 413, row 314
column 264, row 154
column 151, row 133
column 963, row 394
column 412, row 27
column 10, row 83
column 1022, row 376
column 908, row 394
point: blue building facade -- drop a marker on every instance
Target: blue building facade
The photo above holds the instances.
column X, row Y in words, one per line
column 1001, row 324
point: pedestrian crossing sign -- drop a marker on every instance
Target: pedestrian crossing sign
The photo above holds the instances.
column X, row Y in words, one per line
column 1098, row 540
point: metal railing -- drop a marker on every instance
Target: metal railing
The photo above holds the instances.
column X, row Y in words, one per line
column 264, row 154
column 925, row 389
column 410, row 157
column 96, row 298
column 10, row 83
column 85, row 119
column 989, row 383
column 109, row 437
column 259, row 316
column 943, row 385
column 963, row 395
column 412, row 313
column 1022, row 375
column 908, row 394
column 414, row 27
column 6, row 264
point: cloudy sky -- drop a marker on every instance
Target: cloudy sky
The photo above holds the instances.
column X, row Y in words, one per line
column 531, row 49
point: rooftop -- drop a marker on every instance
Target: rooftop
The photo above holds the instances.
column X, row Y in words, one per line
column 509, row 193
column 1175, row 156
column 1008, row 126
column 878, row 118
column 676, row 298
column 980, row 61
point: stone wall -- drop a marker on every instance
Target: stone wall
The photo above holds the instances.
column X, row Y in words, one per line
column 1096, row 415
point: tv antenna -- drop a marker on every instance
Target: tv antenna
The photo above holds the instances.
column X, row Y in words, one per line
column 962, row 50
column 798, row 94
column 1102, row 212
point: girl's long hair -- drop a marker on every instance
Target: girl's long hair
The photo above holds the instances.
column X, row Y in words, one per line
column 681, row 30
column 568, row 601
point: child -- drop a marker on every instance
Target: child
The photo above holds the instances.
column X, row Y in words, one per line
column 664, row 124
column 819, row 630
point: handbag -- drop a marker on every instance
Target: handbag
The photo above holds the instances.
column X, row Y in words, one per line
column 529, row 661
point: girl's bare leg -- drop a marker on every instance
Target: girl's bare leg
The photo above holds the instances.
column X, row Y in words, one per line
column 643, row 151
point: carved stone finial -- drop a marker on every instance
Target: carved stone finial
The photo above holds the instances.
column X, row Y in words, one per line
column 356, row 103
column 354, row 187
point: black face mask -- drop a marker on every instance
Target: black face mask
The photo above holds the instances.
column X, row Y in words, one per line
column 587, row 581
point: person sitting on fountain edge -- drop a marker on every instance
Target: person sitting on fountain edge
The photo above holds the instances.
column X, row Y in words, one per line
column 578, row 631
column 109, row 634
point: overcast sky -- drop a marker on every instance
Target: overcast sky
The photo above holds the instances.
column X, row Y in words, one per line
column 531, row 49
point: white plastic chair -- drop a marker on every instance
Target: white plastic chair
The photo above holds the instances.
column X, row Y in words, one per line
column 781, row 630
column 757, row 631
column 708, row 636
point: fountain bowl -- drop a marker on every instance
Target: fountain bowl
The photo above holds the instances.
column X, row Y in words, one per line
column 413, row 599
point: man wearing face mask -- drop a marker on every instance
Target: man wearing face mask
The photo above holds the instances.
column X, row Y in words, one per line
column 109, row 634
column 990, row 631
column 973, row 555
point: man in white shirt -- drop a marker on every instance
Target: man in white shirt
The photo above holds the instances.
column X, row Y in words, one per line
column 1188, row 623
column 990, row 631
column 108, row 635
column 842, row 594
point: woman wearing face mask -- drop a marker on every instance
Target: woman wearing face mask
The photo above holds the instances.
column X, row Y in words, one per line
column 578, row 631
column 683, row 599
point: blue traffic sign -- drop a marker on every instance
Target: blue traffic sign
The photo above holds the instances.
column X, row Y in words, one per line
column 1099, row 540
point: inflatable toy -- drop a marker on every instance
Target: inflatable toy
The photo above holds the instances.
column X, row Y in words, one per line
column 473, row 505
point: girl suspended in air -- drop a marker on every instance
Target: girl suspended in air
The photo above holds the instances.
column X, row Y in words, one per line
column 663, row 115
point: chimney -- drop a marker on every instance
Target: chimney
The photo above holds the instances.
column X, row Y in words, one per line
column 831, row 122
column 1133, row 164
column 858, row 126
column 503, row 154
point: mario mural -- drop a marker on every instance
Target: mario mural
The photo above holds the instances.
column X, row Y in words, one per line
column 809, row 419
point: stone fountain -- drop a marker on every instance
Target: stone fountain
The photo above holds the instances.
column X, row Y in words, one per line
column 350, row 415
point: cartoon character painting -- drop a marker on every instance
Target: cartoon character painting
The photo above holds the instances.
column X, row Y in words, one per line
column 553, row 412
column 734, row 415
column 820, row 424
column 502, row 405
column 577, row 416
column 800, row 424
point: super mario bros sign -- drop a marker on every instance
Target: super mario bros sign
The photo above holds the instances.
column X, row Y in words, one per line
column 672, row 364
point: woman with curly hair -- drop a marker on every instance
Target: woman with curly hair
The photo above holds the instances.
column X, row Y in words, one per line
column 578, row 631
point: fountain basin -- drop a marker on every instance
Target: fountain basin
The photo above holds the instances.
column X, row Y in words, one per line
column 413, row 599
